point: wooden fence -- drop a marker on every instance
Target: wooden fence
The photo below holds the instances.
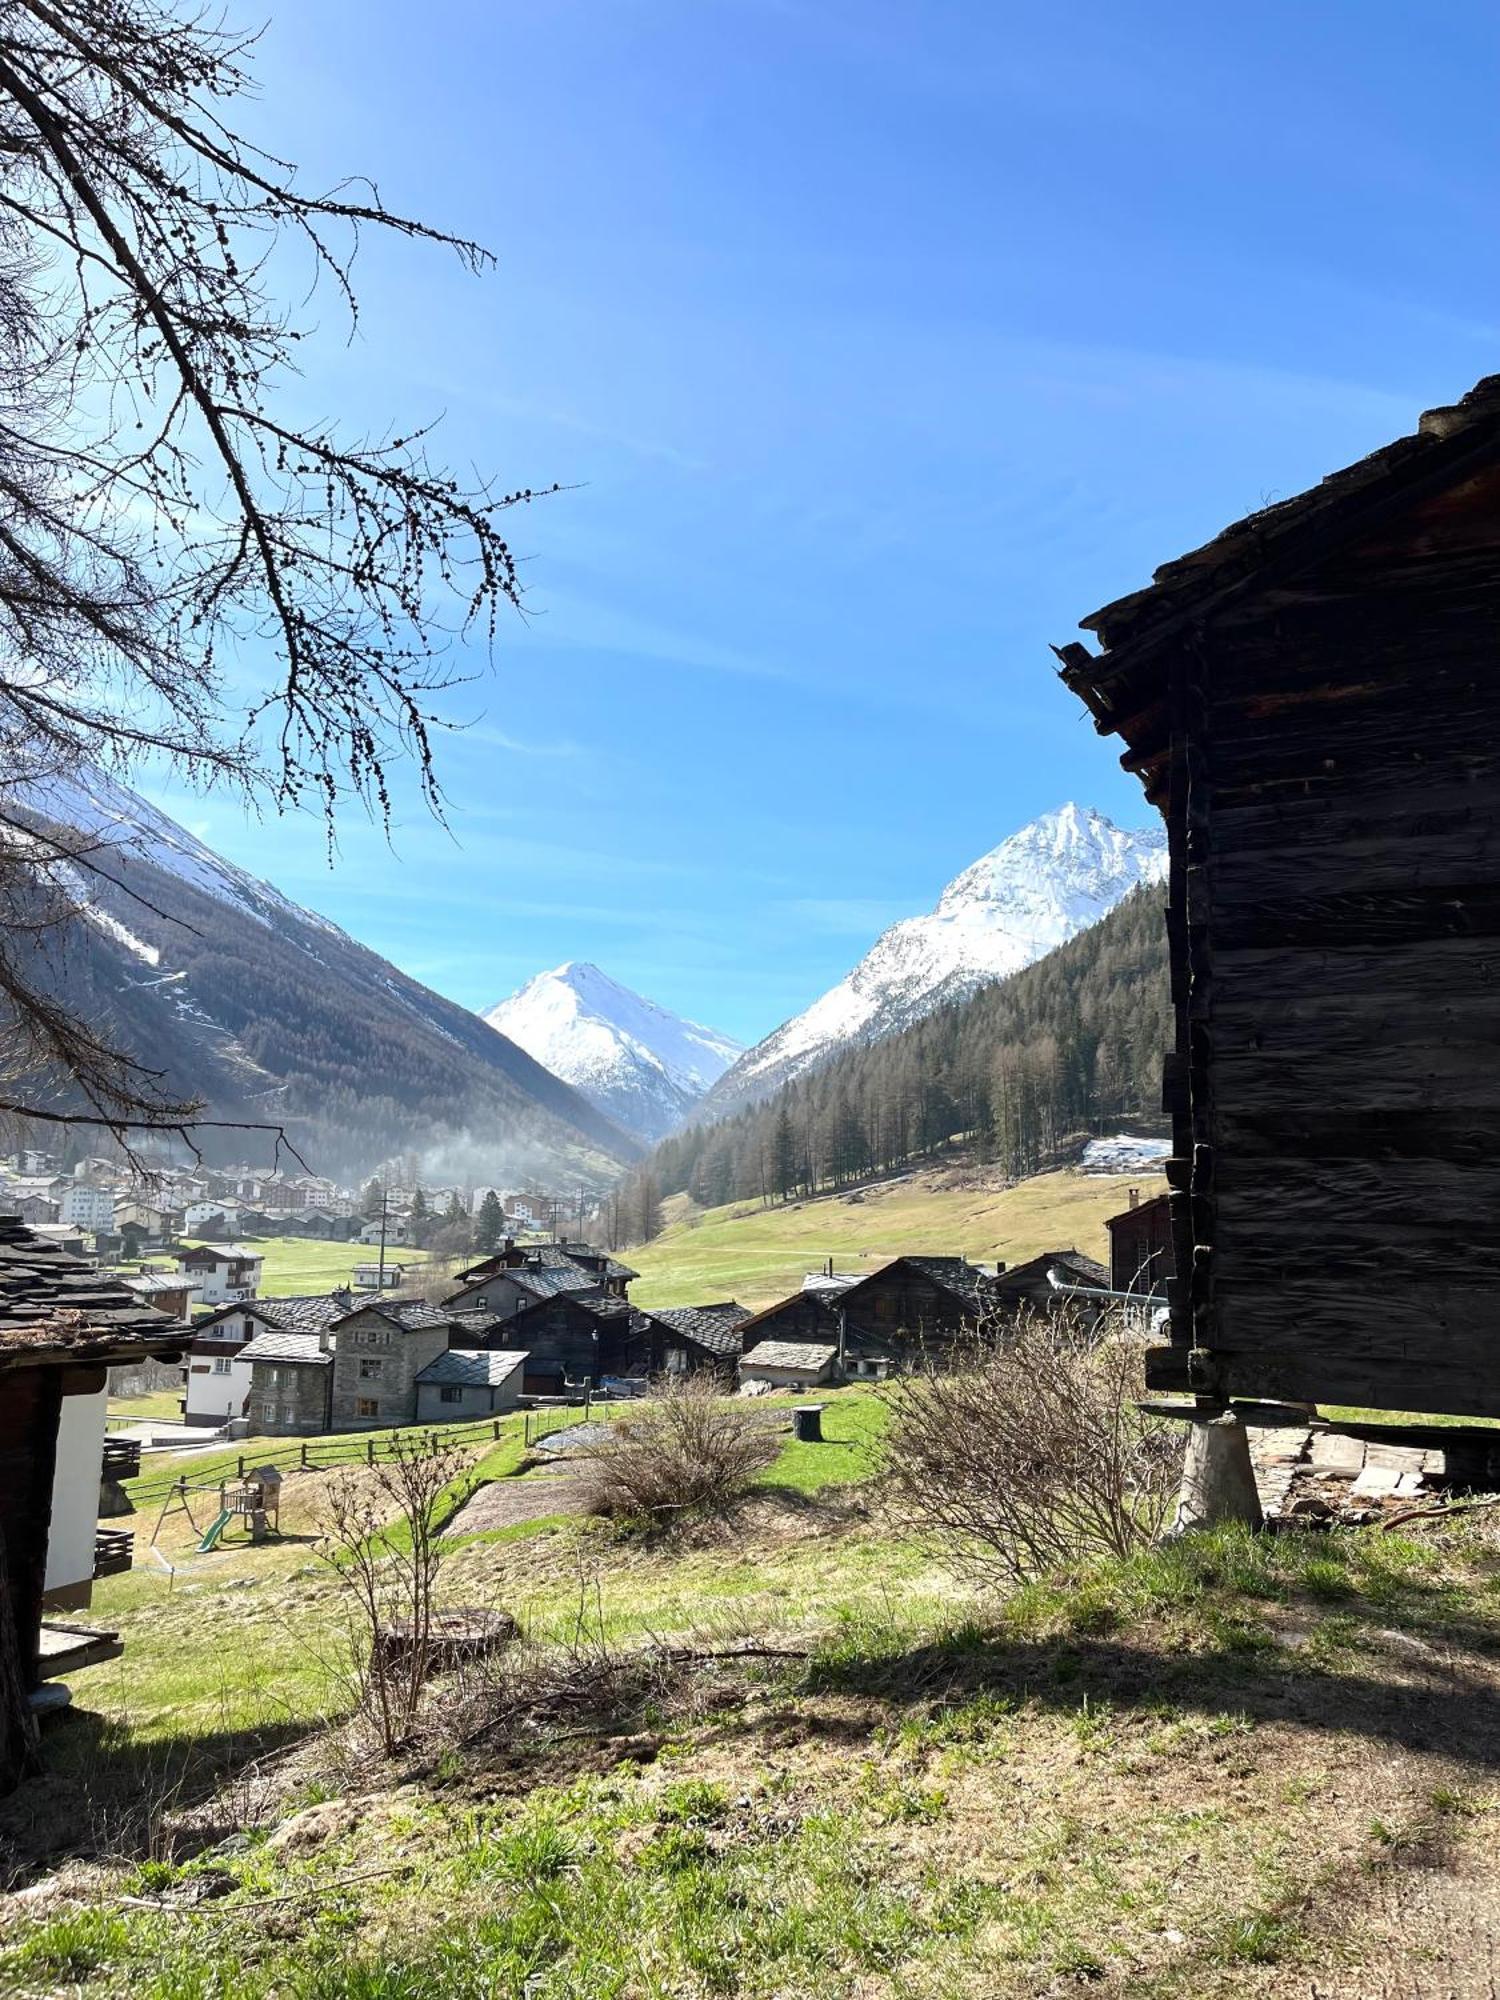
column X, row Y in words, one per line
column 316, row 1453
column 550, row 1417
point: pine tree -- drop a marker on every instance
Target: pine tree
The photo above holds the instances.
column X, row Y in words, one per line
column 373, row 1198
column 489, row 1230
column 782, row 1163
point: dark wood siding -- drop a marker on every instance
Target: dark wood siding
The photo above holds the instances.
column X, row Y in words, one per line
column 1140, row 1247
column 1334, row 918
column 30, row 1404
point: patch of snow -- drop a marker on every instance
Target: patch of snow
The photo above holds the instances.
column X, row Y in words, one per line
column 1125, row 1154
column 108, row 813
column 112, row 926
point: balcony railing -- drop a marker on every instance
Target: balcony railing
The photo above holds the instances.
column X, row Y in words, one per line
column 114, row 1551
column 122, row 1458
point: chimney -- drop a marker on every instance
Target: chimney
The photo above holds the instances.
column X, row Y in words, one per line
column 1135, row 1197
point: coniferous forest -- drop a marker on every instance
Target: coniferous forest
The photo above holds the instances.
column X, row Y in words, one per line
column 1073, row 1044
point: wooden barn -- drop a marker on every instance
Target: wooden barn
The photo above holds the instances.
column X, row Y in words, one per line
column 1310, row 699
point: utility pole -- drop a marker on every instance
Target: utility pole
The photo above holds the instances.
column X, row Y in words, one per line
column 385, row 1196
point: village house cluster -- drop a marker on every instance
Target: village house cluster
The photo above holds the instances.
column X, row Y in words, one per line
column 116, row 1208
column 554, row 1319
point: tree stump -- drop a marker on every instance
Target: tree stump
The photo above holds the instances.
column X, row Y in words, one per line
column 456, row 1636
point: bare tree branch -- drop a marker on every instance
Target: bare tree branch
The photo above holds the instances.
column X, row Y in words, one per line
column 186, row 573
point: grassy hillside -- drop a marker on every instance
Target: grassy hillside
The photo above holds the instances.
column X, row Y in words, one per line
column 759, row 1255
column 297, row 1264
column 787, row 1754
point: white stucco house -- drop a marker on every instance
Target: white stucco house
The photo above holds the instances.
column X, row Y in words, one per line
column 199, row 1212
column 225, row 1273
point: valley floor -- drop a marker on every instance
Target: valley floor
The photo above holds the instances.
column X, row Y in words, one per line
column 788, row 1754
column 759, row 1255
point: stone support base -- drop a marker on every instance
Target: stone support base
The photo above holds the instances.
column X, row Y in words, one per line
column 1218, row 1480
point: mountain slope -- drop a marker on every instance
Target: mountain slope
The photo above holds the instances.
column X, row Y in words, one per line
column 639, row 1064
column 269, row 1012
column 1068, row 1046
column 1030, row 894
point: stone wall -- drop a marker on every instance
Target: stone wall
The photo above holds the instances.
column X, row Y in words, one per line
column 375, row 1369
column 296, row 1391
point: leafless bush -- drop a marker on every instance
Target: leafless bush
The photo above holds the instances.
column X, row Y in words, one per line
column 1024, row 1449
column 382, row 1525
column 691, row 1447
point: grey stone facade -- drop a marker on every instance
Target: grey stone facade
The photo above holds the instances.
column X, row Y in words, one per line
column 288, row 1398
column 376, row 1364
column 459, row 1386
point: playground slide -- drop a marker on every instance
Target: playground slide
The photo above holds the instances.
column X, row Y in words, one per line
column 215, row 1529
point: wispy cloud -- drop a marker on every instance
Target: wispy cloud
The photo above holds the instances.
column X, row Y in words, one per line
column 846, row 916
column 491, row 738
column 569, row 620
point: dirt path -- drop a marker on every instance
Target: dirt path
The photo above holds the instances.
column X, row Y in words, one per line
column 507, row 1503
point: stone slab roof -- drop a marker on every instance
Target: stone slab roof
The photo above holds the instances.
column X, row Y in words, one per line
column 305, row 1349
column 788, row 1354
column 305, row 1312
column 1072, row 1266
column 552, row 1284
column 56, row 1304
column 486, row 1370
column 713, row 1327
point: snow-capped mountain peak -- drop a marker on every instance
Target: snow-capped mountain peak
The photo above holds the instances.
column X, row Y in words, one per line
column 1038, row 888
column 642, row 1065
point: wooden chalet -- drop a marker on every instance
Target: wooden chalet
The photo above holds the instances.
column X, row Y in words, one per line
column 1140, row 1246
column 508, row 1289
column 689, row 1340
column 62, row 1326
column 1049, row 1283
column 882, row 1320
column 571, row 1339
column 1310, row 700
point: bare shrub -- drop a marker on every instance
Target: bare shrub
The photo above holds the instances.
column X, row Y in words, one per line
column 690, row 1448
column 382, row 1527
column 1023, row 1449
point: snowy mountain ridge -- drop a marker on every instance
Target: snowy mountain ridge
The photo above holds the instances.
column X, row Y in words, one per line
column 1033, row 892
column 92, row 804
column 263, row 1009
column 641, row 1065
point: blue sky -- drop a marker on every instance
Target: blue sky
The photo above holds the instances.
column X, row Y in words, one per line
column 879, row 343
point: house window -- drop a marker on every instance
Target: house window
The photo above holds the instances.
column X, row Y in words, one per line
column 369, row 1371
column 366, row 1406
column 268, row 1413
column 451, row 1392
column 377, row 1336
column 885, row 1306
column 222, row 1364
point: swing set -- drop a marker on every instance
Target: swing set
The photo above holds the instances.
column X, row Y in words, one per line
column 254, row 1501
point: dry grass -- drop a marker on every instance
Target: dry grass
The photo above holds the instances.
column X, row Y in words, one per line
column 1240, row 1767
column 759, row 1255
